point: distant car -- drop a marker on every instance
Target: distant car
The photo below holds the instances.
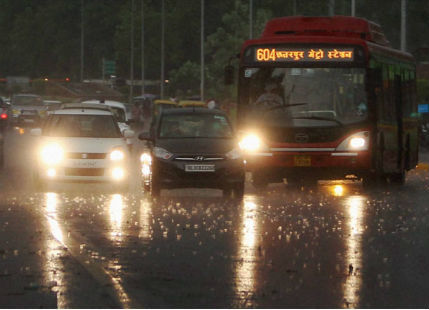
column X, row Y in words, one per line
column 119, row 111
column 192, row 147
column 28, row 109
column 81, row 142
column 191, row 103
column 4, row 115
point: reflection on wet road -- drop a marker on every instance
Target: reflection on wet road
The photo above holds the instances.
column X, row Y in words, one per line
column 334, row 245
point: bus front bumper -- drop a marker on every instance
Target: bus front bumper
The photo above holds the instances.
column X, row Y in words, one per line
column 321, row 165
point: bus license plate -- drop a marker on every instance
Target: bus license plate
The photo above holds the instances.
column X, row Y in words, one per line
column 302, row 160
column 199, row 168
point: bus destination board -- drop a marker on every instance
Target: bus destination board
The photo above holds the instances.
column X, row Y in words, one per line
column 268, row 54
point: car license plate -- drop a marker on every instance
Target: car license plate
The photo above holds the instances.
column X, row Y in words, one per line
column 302, row 160
column 84, row 163
column 199, row 168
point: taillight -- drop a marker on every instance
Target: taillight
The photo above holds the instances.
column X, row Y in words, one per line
column 3, row 116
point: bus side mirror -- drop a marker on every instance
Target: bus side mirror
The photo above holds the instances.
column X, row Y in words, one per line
column 229, row 75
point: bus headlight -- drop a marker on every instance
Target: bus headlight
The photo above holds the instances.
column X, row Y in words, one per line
column 250, row 143
column 118, row 173
column 356, row 142
column 52, row 154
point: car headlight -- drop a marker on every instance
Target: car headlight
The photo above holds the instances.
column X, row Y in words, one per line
column 250, row 142
column 117, row 155
column 161, row 153
column 52, row 154
column 356, row 142
column 234, row 154
column 145, row 158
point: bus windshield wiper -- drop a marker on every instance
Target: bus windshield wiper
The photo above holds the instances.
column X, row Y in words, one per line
column 319, row 118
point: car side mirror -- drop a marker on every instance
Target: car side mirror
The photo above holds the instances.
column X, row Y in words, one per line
column 36, row 132
column 145, row 136
column 128, row 133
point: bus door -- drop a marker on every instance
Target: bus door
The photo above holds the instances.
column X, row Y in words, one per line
column 399, row 120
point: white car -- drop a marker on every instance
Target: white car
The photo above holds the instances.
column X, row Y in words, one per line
column 81, row 142
column 119, row 111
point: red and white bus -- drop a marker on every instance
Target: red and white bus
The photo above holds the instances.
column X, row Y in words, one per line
column 326, row 98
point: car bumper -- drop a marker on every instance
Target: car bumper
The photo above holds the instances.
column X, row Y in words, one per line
column 173, row 174
column 86, row 171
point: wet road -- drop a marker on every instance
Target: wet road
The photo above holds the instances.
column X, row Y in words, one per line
column 335, row 245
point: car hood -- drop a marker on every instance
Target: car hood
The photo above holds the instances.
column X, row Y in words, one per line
column 198, row 146
column 29, row 107
column 85, row 145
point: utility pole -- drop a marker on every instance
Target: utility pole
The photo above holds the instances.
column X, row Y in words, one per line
column 353, row 8
column 331, row 7
column 162, row 48
column 202, row 52
column 132, row 53
column 403, row 25
column 81, row 40
column 142, row 48
column 250, row 19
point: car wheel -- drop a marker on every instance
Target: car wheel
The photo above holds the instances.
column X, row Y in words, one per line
column 259, row 181
column 39, row 184
column 227, row 192
column 239, row 190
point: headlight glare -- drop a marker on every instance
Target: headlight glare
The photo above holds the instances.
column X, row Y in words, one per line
column 52, row 154
column 250, row 143
column 117, row 155
column 145, row 158
column 357, row 142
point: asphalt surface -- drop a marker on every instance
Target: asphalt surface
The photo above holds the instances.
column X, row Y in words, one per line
column 331, row 246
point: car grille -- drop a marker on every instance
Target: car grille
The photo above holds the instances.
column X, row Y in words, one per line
column 87, row 172
column 212, row 157
column 86, row 155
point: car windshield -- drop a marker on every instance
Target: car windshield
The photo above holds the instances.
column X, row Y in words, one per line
column 75, row 125
column 194, row 126
column 27, row 100
column 307, row 96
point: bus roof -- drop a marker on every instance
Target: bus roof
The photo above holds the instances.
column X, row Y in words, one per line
column 334, row 29
column 335, row 26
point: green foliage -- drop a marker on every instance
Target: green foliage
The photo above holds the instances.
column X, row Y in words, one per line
column 185, row 81
column 42, row 38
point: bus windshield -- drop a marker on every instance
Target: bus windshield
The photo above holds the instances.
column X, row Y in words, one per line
column 310, row 97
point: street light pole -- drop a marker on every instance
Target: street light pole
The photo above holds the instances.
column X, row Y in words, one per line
column 132, row 53
column 162, row 48
column 81, row 40
column 250, row 19
column 142, row 48
column 353, row 7
column 403, row 25
column 202, row 52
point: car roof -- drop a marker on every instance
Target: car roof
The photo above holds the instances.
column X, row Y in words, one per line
column 83, row 108
column 110, row 103
column 191, row 110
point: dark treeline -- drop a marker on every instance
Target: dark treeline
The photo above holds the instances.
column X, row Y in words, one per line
column 43, row 37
